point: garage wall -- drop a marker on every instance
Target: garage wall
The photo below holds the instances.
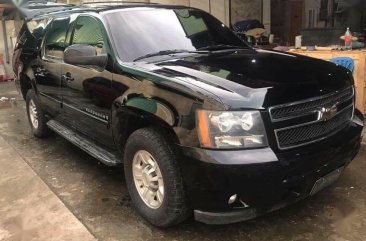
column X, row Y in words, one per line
column 246, row 9
column 314, row 6
column 12, row 28
column 218, row 8
column 176, row 2
column 266, row 15
column 201, row 4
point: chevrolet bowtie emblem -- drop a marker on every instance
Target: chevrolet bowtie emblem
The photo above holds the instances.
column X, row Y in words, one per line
column 327, row 113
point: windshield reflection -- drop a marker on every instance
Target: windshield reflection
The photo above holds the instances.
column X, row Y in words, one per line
column 145, row 31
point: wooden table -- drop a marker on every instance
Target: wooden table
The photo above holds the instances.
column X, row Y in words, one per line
column 359, row 56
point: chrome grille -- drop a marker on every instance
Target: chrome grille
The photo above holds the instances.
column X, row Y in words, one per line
column 288, row 111
column 310, row 133
column 317, row 129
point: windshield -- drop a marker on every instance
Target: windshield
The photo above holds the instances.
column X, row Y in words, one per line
column 137, row 33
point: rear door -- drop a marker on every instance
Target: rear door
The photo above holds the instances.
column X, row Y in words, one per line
column 87, row 91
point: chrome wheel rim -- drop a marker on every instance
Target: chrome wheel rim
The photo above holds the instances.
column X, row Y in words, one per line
column 148, row 179
column 33, row 114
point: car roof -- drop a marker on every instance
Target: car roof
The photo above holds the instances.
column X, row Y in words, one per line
column 98, row 7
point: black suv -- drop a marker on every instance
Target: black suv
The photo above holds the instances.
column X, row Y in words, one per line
column 203, row 123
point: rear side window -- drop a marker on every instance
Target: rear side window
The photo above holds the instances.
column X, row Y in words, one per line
column 37, row 27
column 54, row 44
column 30, row 34
column 25, row 39
column 88, row 31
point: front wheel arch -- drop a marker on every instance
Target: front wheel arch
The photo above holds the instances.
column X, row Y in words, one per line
column 128, row 120
column 129, row 115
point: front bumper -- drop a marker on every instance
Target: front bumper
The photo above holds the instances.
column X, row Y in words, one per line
column 263, row 181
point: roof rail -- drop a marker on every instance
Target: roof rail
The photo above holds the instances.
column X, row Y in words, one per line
column 35, row 2
column 43, row 4
column 116, row 2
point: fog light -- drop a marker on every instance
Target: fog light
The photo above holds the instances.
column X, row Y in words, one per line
column 232, row 199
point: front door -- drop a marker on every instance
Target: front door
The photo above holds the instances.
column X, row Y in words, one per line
column 87, row 97
column 48, row 71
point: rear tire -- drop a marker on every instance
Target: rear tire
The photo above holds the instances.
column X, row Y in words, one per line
column 36, row 116
column 153, row 178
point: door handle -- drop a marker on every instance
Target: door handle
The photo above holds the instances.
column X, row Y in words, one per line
column 41, row 71
column 67, row 77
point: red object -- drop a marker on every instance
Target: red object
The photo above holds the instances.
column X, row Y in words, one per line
column 348, row 39
column 3, row 76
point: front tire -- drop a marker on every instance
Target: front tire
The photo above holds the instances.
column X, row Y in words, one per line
column 153, row 178
column 36, row 116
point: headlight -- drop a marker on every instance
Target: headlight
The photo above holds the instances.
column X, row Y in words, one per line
column 231, row 129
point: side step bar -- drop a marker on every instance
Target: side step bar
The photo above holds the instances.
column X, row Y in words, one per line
column 88, row 146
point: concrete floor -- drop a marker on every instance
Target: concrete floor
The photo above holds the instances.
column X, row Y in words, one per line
column 29, row 210
column 97, row 194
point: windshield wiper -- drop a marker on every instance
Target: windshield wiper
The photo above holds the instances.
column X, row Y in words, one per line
column 167, row 52
column 219, row 47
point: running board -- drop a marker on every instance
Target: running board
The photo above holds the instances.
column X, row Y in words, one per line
column 83, row 143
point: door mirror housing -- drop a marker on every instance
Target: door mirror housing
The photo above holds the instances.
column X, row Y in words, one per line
column 84, row 55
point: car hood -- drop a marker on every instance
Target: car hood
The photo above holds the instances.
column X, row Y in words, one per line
column 256, row 78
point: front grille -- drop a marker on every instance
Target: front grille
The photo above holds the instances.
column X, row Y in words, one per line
column 309, row 133
column 288, row 111
column 301, row 123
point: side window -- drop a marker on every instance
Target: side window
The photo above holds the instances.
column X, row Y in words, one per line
column 88, row 31
column 54, row 44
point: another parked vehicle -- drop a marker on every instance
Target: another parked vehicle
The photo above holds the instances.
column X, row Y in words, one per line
column 203, row 123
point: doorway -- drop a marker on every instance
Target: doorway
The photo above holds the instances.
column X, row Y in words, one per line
column 287, row 20
column 296, row 19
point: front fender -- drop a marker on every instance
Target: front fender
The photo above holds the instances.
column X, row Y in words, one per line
column 154, row 107
column 131, row 114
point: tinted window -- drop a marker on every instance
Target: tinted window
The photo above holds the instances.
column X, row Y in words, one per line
column 55, row 38
column 25, row 39
column 37, row 27
column 89, row 31
column 140, row 32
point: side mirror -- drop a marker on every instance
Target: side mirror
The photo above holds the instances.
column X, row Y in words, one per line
column 84, row 55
